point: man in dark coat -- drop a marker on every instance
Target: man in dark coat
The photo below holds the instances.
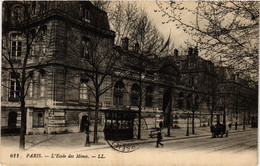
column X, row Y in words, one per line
column 87, row 125
column 159, row 138
column 160, row 125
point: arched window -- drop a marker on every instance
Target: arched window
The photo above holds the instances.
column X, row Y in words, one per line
column 149, row 96
column 180, row 100
column 118, row 93
column 135, row 95
column 44, row 29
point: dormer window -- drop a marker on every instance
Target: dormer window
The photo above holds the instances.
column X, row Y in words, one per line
column 86, row 15
column 85, row 48
column 17, row 12
column 178, row 63
column 191, row 64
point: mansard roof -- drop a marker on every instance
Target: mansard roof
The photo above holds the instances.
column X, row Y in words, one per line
column 69, row 11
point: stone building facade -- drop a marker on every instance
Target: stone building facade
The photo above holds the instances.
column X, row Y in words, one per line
column 59, row 97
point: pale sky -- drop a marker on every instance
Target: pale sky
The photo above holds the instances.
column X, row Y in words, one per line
column 178, row 37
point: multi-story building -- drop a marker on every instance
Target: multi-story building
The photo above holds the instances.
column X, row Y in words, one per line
column 199, row 75
column 237, row 99
column 59, row 97
column 62, row 41
column 59, row 33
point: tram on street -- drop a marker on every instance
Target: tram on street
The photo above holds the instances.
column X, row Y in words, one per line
column 119, row 125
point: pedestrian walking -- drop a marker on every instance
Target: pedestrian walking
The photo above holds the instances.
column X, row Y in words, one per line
column 229, row 125
column 159, row 139
column 160, row 125
column 87, row 133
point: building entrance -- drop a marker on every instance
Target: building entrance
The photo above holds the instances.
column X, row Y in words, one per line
column 83, row 123
column 12, row 119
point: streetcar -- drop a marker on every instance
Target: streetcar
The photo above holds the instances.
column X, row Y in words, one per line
column 119, row 125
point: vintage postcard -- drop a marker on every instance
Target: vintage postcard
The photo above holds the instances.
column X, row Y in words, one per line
column 129, row 83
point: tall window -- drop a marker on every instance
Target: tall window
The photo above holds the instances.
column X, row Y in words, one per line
column 14, row 87
column 149, row 97
column 85, row 48
column 42, row 86
column 16, row 49
column 118, row 93
column 30, row 90
column 83, row 89
column 135, row 95
column 38, row 118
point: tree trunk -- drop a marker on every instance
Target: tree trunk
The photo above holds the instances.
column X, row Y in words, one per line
column 244, row 121
column 211, row 117
column 224, row 117
column 95, row 140
column 200, row 117
column 193, row 125
column 140, row 104
column 23, row 124
column 236, row 120
column 169, row 116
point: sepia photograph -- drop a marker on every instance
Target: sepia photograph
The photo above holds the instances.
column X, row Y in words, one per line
column 129, row 83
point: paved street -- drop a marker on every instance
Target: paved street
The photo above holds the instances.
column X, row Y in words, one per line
column 235, row 143
column 240, row 148
column 237, row 149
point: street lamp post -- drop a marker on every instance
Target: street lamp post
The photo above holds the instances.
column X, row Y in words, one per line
column 193, row 125
column 244, row 120
column 187, row 133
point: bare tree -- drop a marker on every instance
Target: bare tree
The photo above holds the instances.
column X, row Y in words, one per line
column 20, row 56
column 99, row 65
column 146, row 34
column 225, row 31
column 129, row 20
column 122, row 16
column 103, row 5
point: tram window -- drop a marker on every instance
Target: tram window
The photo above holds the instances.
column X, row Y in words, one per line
column 114, row 125
column 119, row 125
column 123, row 126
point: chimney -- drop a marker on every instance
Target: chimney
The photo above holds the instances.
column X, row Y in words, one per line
column 125, row 43
column 190, row 51
column 176, row 52
column 137, row 48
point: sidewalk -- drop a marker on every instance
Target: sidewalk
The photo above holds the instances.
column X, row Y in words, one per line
column 76, row 141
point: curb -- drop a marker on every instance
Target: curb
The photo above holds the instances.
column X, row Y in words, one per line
column 153, row 141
